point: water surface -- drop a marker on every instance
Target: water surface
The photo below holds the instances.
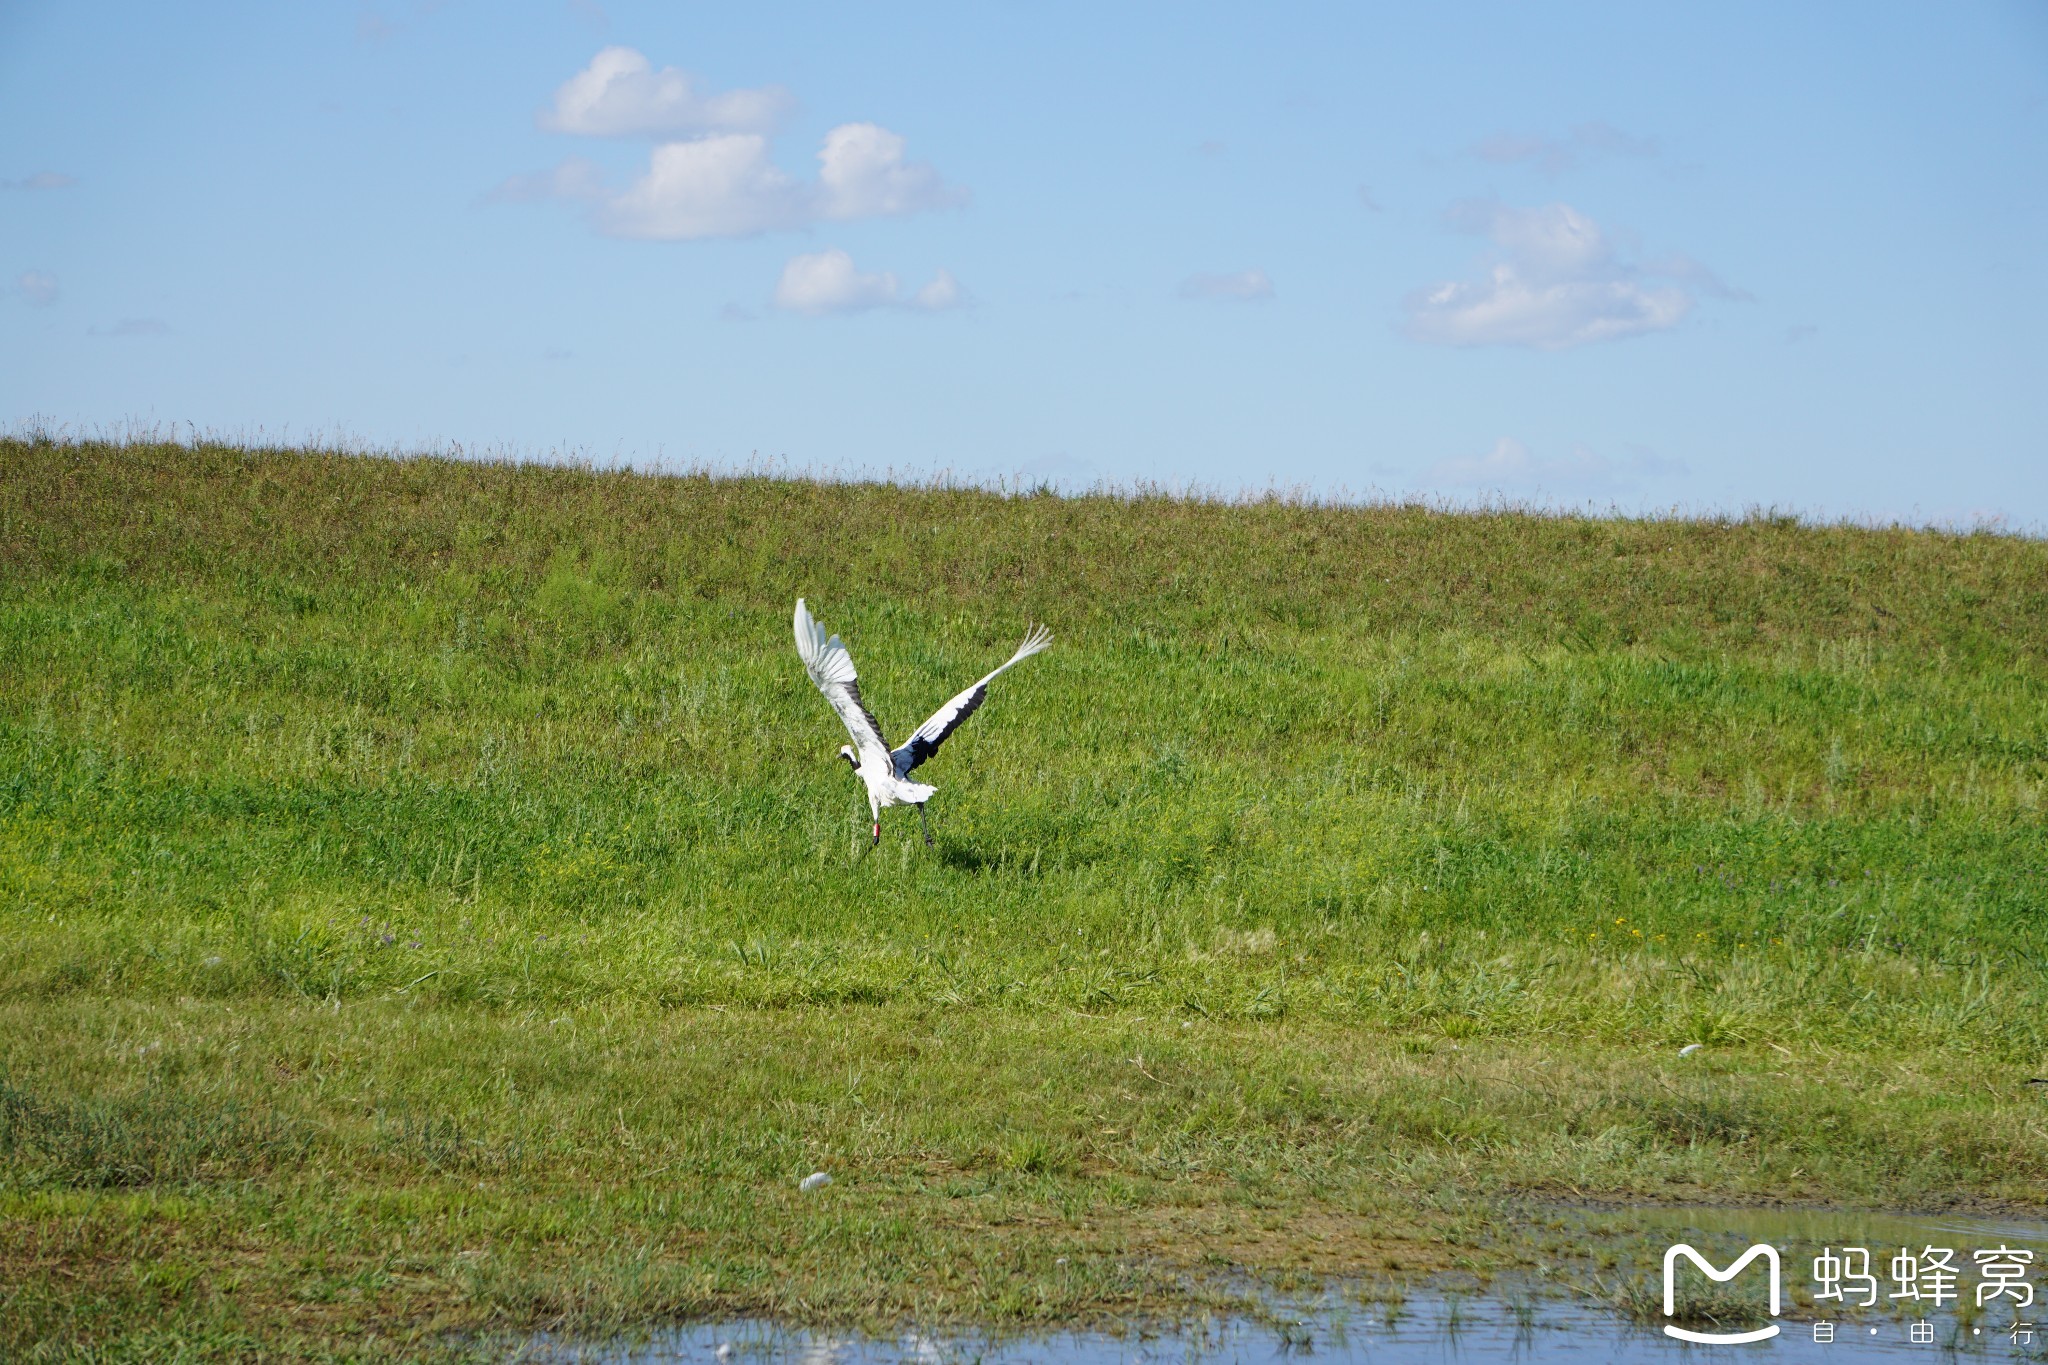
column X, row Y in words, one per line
column 1563, row 1317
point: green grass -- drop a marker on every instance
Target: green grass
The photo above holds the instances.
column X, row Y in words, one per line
column 430, row 902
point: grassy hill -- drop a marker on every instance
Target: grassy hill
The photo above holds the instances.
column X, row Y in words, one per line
column 429, row 898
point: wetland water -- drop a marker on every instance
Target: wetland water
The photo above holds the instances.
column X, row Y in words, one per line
column 1562, row 1314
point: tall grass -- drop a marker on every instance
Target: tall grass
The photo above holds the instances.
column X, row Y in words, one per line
column 325, row 725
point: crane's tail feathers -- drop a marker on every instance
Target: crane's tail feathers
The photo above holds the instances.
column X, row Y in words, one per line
column 1039, row 639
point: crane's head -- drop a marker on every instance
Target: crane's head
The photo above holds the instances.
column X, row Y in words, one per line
column 852, row 759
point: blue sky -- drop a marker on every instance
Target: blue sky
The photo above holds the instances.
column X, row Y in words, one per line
column 1645, row 256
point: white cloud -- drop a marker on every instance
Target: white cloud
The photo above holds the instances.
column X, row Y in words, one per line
column 722, row 186
column 620, row 94
column 1244, row 285
column 726, row 186
column 39, row 287
column 1556, row 283
column 942, row 293
column 825, row 282
column 862, row 174
column 1510, row 466
column 1554, row 240
column 1557, row 155
column 1507, row 310
column 41, row 180
column 720, row 179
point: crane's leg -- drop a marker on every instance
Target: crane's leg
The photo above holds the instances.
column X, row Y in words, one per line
column 926, row 822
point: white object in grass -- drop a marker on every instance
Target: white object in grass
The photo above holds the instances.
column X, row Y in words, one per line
column 885, row 771
column 815, row 1180
column 1689, row 1049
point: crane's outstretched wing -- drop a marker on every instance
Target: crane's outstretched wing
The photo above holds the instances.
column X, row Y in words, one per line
column 949, row 717
column 831, row 668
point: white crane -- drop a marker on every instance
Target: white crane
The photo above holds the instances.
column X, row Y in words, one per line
column 885, row 771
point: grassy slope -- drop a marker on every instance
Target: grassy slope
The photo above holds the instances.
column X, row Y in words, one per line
column 428, row 896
